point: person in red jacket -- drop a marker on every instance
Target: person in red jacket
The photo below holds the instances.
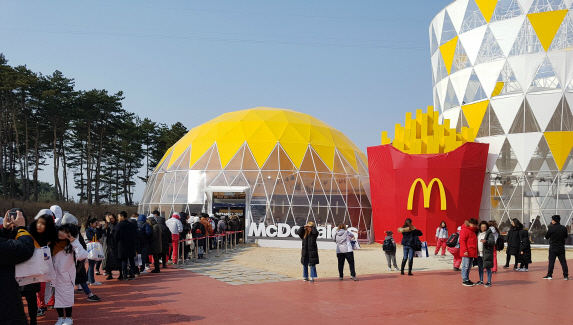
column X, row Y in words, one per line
column 468, row 249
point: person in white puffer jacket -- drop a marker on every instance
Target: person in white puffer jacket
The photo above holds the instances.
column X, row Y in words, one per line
column 66, row 251
column 344, row 250
column 175, row 226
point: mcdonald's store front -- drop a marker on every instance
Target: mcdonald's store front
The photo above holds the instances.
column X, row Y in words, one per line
column 428, row 188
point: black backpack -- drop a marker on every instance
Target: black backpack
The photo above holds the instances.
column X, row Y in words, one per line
column 499, row 243
column 389, row 246
column 416, row 243
column 453, row 240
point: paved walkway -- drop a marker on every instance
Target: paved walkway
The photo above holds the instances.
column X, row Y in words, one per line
column 220, row 268
column 177, row 296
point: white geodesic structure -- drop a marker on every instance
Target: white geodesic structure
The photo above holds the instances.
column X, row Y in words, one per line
column 505, row 68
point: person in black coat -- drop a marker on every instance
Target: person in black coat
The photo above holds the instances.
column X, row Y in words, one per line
column 165, row 240
column 126, row 238
column 524, row 251
column 138, row 241
column 111, row 262
column 155, row 243
column 235, row 225
column 309, row 252
column 513, row 243
column 556, row 234
column 16, row 246
column 183, row 235
column 198, row 231
column 409, row 242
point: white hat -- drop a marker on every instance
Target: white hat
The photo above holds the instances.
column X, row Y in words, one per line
column 57, row 211
column 44, row 212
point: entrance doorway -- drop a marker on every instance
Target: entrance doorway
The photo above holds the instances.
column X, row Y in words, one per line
column 229, row 202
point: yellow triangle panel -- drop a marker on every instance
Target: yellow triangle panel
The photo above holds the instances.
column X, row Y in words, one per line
column 261, row 129
column 498, row 88
column 474, row 113
column 487, row 8
column 448, row 50
column 560, row 144
column 546, row 25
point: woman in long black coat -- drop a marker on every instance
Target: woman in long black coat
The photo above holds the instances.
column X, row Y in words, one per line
column 155, row 243
column 513, row 243
column 165, row 240
column 111, row 261
column 524, row 251
column 309, row 253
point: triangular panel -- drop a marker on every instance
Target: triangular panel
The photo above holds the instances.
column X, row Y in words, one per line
column 525, row 67
column 545, row 78
column 525, row 120
column 563, row 39
column 506, row 31
column 506, row 9
column 473, row 18
column 459, row 81
column 509, row 81
column 527, row 41
column 448, row 30
column 546, row 25
column 521, row 145
column 474, row 90
column 487, row 7
column 488, row 74
column 506, row 109
column 456, row 11
column 543, row 105
column 472, row 41
column 495, row 144
column 560, row 144
column 489, row 49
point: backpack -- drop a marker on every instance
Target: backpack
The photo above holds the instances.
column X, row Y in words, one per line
column 416, row 244
column 146, row 231
column 389, row 246
column 499, row 243
column 453, row 240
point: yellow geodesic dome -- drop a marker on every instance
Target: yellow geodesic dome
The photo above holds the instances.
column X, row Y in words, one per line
column 274, row 167
column 261, row 128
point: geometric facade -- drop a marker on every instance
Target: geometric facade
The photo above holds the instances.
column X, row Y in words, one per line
column 288, row 168
column 506, row 68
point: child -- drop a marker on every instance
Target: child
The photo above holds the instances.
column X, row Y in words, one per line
column 44, row 232
column 486, row 247
column 441, row 238
column 65, row 251
column 455, row 251
column 389, row 248
column 524, row 251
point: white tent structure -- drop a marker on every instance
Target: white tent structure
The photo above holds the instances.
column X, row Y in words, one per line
column 505, row 68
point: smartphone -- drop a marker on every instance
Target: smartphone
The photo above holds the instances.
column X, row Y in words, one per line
column 13, row 214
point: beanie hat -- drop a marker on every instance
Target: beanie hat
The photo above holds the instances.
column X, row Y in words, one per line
column 556, row 218
column 57, row 211
column 68, row 219
column 176, row 215
column 44, row 212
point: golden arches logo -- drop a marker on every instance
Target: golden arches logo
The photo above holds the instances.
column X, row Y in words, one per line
column 426, row 191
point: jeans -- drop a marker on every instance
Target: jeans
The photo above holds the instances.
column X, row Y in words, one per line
column 91, row 271
column 480, row 268
column 131, row 261
column 350, row 258
column 467, row 263
column 391, row 258
column 408, row 253
column 561, row 255
column 312, row 270
column 87, row 290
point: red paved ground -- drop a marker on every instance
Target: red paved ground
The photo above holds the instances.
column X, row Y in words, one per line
column 436, row 297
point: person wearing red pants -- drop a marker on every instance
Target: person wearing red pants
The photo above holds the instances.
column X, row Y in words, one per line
column 441, row 238
column 455, row 251
column 175, row 226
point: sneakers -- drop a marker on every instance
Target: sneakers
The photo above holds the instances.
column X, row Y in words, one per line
column 524, row 270
column 390, row 269
column 144, row 272
column 95, row 283
column 60, row 321
column 40, row 312
column 341, row 278
column 548, row 277
column 311, row 280
column 109, row 277
column 304, row 279
column 97, row 273
column 487, row 285
column 354, row 278
column 457, row 269
column 518, row 269
column 479, row 283
column 566, row 278
column 506, row 266
column 80, row 290
column 94, row 298
column 468, row 283
column 68, row 321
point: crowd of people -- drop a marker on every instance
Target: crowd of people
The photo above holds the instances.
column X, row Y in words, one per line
column 130, row 246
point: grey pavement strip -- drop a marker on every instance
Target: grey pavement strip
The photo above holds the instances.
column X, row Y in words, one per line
column 222, row 269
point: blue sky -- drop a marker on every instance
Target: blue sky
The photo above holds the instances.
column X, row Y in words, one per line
column 357, row 65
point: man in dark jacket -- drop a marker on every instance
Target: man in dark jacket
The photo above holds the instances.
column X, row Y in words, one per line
column 138, row 242
column 155, row 243
column 126, row 238
column 557, row 234
column 165, row 241
column 183, row 234
column 12, row 252
column 235, row 225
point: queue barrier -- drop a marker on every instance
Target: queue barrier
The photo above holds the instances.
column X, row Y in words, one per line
column 229, row 238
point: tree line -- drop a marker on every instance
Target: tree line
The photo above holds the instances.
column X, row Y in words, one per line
column 90, row 141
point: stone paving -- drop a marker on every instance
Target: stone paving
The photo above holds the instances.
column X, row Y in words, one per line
column 223, row 269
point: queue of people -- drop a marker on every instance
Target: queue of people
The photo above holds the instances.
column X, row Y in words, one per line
column 129, row 246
